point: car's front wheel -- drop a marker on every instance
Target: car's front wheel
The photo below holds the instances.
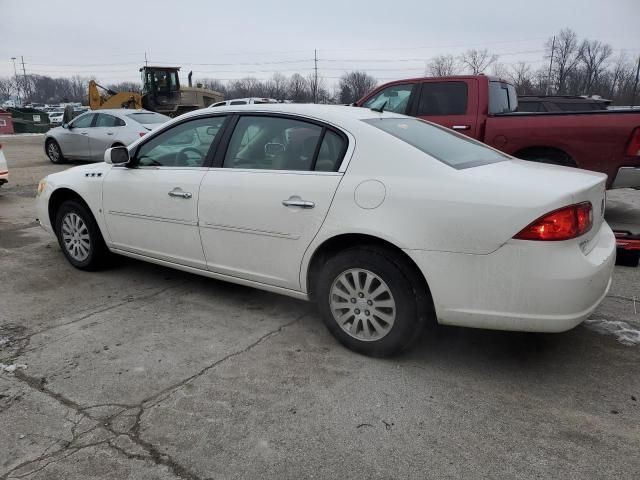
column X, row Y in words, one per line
column 79, row 236
column 54, row 152
column 368, row 301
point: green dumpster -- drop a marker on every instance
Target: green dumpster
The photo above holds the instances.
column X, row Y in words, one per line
column 29, row 120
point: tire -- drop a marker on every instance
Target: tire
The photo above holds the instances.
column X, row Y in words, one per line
column 550, row 156
column 54, row 152
column 79, row 236
column 378, row 331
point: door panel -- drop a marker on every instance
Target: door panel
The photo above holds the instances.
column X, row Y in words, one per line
column 246, row 230
column 74, row 140
column 142, row 217
column 452, row 104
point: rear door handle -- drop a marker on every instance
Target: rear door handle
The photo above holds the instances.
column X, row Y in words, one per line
column 461, row 127
column 109, row 133
column 296, row 201
column 177, row 192
column 84, row 133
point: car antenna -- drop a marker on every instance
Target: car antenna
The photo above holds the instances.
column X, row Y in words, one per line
column 381, row 108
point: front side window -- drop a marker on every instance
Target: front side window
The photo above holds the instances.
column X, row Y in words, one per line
column 443, row 98
column 272, row 143
column 392, row 99
column 453, row 149
column 84, row 121
column 185, row 145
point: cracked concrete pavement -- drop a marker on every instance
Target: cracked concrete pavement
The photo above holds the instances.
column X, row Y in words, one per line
column 144, row 372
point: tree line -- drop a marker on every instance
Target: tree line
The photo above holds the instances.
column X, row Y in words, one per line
column 573, row 67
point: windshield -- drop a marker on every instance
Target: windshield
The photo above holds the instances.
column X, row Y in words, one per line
column 453, row 149
column 148, row 118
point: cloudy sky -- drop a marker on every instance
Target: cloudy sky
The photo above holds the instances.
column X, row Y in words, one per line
column 108, row 39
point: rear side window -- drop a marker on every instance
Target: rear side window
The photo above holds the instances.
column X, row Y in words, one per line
column 443, row 98
column 238, row 102
column 502, row 98
column 579, row 106
column 457, row 151
column 531, row 107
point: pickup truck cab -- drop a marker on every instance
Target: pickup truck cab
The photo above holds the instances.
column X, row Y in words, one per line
column 486, row 108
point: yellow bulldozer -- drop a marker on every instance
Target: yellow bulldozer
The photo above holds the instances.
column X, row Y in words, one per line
column 161, row 92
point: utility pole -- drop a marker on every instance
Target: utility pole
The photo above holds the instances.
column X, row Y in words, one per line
column 146, row 63
column 315, row 85
column 635, row 85
column 553, row 47
column 26, row 85
column 15, row 73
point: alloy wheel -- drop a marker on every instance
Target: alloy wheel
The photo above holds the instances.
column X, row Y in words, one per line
column 75, row 237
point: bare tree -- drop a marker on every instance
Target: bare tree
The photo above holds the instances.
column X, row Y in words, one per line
column 7, row 87
column 593, row 55
column 443, row 66
column 298, row 89
column 566, row 57
column 277, row 86
column 316, row 86
column 521, row 77
column 499, row 70
column 353, row 85
column 478, row 60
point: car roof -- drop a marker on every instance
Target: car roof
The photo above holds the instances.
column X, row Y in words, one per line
column 119, row 111
column 336, row 114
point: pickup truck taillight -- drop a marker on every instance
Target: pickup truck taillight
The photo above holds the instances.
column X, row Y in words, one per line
column 562, row 224
column 634, row 143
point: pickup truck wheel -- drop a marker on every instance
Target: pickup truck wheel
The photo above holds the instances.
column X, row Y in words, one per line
column 547, row 155
column 367, row 302
column 54, row 152
column 79, row 236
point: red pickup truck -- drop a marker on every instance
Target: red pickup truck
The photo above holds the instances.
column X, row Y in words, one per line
column 486, row 108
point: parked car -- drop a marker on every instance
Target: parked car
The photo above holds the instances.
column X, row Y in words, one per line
column 244, row 101
column 386, row 221
column 87, row 136
column 485, row 108
column 56, row 117
column 4, row 169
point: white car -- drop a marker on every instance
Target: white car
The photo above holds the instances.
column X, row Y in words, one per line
column 87, row 136
column 56, row 117
column 4, row 169
column 243, row 101
column 386, row 221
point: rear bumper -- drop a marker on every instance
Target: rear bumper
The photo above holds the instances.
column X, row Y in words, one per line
column 522, row 286
column 627, row 177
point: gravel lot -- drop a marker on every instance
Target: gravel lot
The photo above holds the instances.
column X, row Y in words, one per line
column 144, row 372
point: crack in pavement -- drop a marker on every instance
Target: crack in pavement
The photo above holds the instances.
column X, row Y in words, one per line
column 22, row 349
column 133, row 433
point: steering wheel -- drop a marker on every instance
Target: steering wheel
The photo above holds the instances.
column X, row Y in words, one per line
column 183, row 159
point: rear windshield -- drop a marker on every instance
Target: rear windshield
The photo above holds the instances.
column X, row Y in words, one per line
column 147, row 118
column 502, row 98
column 456, row 150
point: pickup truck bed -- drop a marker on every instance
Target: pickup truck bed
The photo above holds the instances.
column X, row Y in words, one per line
column 485, row 108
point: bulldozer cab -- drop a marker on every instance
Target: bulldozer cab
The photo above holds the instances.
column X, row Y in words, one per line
column 160, row 88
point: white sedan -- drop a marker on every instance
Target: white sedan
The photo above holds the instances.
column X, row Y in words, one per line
column 387, row 222
column 4, row 170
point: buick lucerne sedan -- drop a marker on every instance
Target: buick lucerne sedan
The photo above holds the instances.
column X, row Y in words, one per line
column 387, row 222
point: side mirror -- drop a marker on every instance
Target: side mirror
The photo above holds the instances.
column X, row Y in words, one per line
column 117, row 156
column 66, row 125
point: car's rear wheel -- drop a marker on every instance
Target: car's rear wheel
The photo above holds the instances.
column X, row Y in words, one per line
column 54, row 152
column 79, row 236
column 368, row 301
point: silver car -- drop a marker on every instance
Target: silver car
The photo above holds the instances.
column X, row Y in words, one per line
column 87, row 136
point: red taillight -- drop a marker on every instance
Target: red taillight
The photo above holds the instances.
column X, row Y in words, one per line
column 142, row 134
column 562, row 224
column 633, row 148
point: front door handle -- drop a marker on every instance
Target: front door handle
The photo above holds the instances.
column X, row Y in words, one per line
column 296, row 201
column 461, row 127
column 109, row 133
column 84, row 133
column 177, row 192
